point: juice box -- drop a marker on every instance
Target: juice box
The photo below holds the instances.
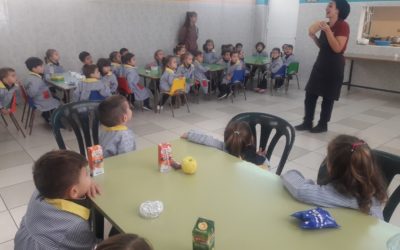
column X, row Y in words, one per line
column 164, row 157
column 203, row 235
column 95, row 159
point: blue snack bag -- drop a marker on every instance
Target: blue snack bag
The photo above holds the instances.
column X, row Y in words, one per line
column 316, row 218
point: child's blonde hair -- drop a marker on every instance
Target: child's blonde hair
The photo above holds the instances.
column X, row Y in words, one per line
column 352, row 170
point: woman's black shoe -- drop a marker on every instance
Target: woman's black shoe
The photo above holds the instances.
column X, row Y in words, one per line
column 319, row 129
column 303, row 127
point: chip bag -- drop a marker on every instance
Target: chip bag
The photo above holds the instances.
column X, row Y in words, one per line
column 316, row 218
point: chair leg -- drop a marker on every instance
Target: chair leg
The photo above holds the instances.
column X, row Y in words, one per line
column 271, row 86
column 233, row 88
column 23, row 112
column 244, row 92
column 171, row 105
column 17, row 124
column 286, row 83
column 298, row 84
column 31, row 121
column 28, row 114
column 187, row 103
column 4, row 119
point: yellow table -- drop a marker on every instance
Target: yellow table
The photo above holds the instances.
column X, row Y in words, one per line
column 249, row 205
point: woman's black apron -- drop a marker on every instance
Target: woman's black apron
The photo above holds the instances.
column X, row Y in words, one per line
column 326, row 77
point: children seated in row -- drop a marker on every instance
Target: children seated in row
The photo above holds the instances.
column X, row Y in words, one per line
column 353, row 179
column 8, row 79
column 158, row 59
column 167, row 78
column 238, row 141
column 129, row 71
column 179, row 50
column 210, row 56
column 107, row 76
column 186, row 69
column 200, row 71
column 85, row 58
column 58, row 212
column 115, row 137
column 52, row 63
column 91, row 88
column 277, row 69
column 115, row 58
column 234, row 64
column 38, row 90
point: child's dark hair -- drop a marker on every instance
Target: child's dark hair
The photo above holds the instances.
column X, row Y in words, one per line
column 207, row 42
column 123, row 50
column 56, row 171
column 275, row 49
column 289, row 46
column 33, row 62
column 4, row 72
column 239, row 45
column 49, row 53
column 167, row 61
column 124, row 242
column 87, row 70
column 103, row 62
column 223, row 52
column 197, row 53
column 113, row 56
column 83, row 55
column 127, row 57
column 262, row 45
column 353, row 171
column 234, row 52
column 178, row 48
column 111, row 110
column 185, row 56
column 237, row 136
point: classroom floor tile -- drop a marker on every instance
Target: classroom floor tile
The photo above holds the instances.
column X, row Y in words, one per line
column 373, row 116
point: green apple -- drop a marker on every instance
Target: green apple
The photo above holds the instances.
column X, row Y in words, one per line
column 189, row 165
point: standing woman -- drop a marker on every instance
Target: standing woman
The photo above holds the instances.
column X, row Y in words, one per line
column 189, row 32
column 326, row 78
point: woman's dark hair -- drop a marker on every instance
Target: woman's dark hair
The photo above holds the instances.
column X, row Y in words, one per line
column 33, row 62
column 353, row 171
column 103, row 62
column 49, row 53
column 127, row 57
column 207, row 42
column 124, row 242
column 237, row 136
column 83, row 55
column 113, row 56
column 344, row 8
column 166, row 61
column 189, row 15
column 260, row 43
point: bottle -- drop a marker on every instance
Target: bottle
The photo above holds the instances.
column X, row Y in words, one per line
column 393, row 243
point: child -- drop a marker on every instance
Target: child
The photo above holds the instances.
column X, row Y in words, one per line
column 107, row 76
column 354, row 179
column 85, row 58
column 115, row 137
column 58, row 211
column 52, row 60
column 158, row 58
column 38, row 90
column 200, row 72
column 288, row 56
column 8, row 78
column 210, row 57
column 167, row 78
column 123, row 51
column 91, row 88
column 186, row 69
column 115, row 58
column 125, row 242
column 235, row 64
column 260, row 46
column 276, row 68
column 130, row 73
column 238, row 141
column 179, row 50
column 239, row 49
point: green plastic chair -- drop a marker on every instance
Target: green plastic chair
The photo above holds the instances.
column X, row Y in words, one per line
column 390, row 167
column 292, row 70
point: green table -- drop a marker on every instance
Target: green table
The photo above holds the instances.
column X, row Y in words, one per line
column 214, row 67
column 249, row 205
column 256, row 60
column 154, row 77
column 66, row 86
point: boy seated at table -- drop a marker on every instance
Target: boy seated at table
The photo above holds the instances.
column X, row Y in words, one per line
column 8, row 78
column 91, row 88
column 85, row 58
column 115, row 58
column 235, row 64
column 115, row 137
column 288, row 56
column 38, row 90
column 58, row 211
column 158, row 59
column 200, row 78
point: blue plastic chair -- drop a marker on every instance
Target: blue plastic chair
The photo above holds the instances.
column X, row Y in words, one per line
column 238, row 79
column 280, row 74
column 96, row 96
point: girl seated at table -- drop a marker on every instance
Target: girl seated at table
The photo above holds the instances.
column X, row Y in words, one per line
column 107, row 75
column 260, row 52
column 210, row 56
column 158, row 59
column 200, row 78
column 52, row 63
column 354, row 180
column 238, row 141
column 186, row 69
column 167, row 78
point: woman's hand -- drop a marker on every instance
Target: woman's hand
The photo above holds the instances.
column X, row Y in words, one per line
column 325, row 27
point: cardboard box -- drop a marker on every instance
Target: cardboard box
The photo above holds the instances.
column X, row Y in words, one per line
column 95, row 159
column 203, row 235
column 164, row 157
